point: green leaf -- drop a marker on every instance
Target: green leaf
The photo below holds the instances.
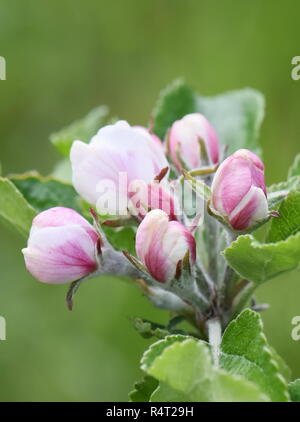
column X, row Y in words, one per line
column 14, row 209
column 295, row 167
column 82, row 130
column 45, row 192
column 156, row 349
column 245, row 352
column 278, row 192
column 282, row 366
column 294, row 390
column 122, row 238
column 148, row 329
column 258, row 262
column 174, row 102
column 185, row 372
column 236, row 116
column 286, row 186
column 289, row 222
column 164, row 393
column 143, row 389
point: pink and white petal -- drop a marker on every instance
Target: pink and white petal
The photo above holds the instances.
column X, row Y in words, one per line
column 160, row 198
column 175, row 244
column 108, row 134
column 132, row 145
column 86, row 171
column 256, row 165
column 156, row 221
column 61, row 216
column 251, row 209
column 249, row 155
column 91, row 165
column 184, row 141
column 112, row 199
column 262, row 209
column 212, row 142
column 154, row 137
column 232, row 181
column 60, row 254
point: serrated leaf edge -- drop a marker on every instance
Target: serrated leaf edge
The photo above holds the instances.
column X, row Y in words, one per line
column 266, row 349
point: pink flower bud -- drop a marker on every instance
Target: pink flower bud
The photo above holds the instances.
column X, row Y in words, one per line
column 239, row 191
column 115, row 150
column 184, row 145
column 61, row 246
column 161, row 244
column 146, row 197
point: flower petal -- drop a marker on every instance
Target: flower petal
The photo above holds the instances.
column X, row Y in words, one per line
column 60, row 254
column 251, row 209
column 61, row 216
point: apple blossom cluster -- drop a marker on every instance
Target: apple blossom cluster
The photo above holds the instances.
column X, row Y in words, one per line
column 129, row 175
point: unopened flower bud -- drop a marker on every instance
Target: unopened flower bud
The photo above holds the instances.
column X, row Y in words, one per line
column 161, row 244
column 193, row 142
column 239, row 191
column 146, row 197
column 61, row 246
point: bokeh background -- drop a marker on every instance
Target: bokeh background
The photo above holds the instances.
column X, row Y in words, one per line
column 65, row 57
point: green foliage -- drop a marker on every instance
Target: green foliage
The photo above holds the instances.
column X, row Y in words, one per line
column 46, row 192
column 289, row 222
column 245, row 352
column 185, row 372
column 295, row 167
column 143, row 389
column 279, row 191
column 283, row 368
column 179, row 367
column 258, row 261
column 82, row 130
column 293, row 183
column 148, row 329
column 156, row 349
column 294, row 390
column 121, row 238
column 250, row 370
column 14, row 209
column 174, row 102
column 236, row 116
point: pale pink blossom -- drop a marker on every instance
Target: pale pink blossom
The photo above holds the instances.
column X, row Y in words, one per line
column 145, row 197
column 184, row 142
column 239, row 190
column 61, row 247
column 117, row 155
column 161, row 244
column 153, row 136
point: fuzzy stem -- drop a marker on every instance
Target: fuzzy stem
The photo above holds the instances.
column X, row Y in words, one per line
column 214, row 337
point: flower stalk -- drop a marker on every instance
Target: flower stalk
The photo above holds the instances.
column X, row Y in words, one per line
column 214, row 336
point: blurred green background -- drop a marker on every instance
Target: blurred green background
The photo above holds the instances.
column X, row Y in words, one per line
column 65, row 57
